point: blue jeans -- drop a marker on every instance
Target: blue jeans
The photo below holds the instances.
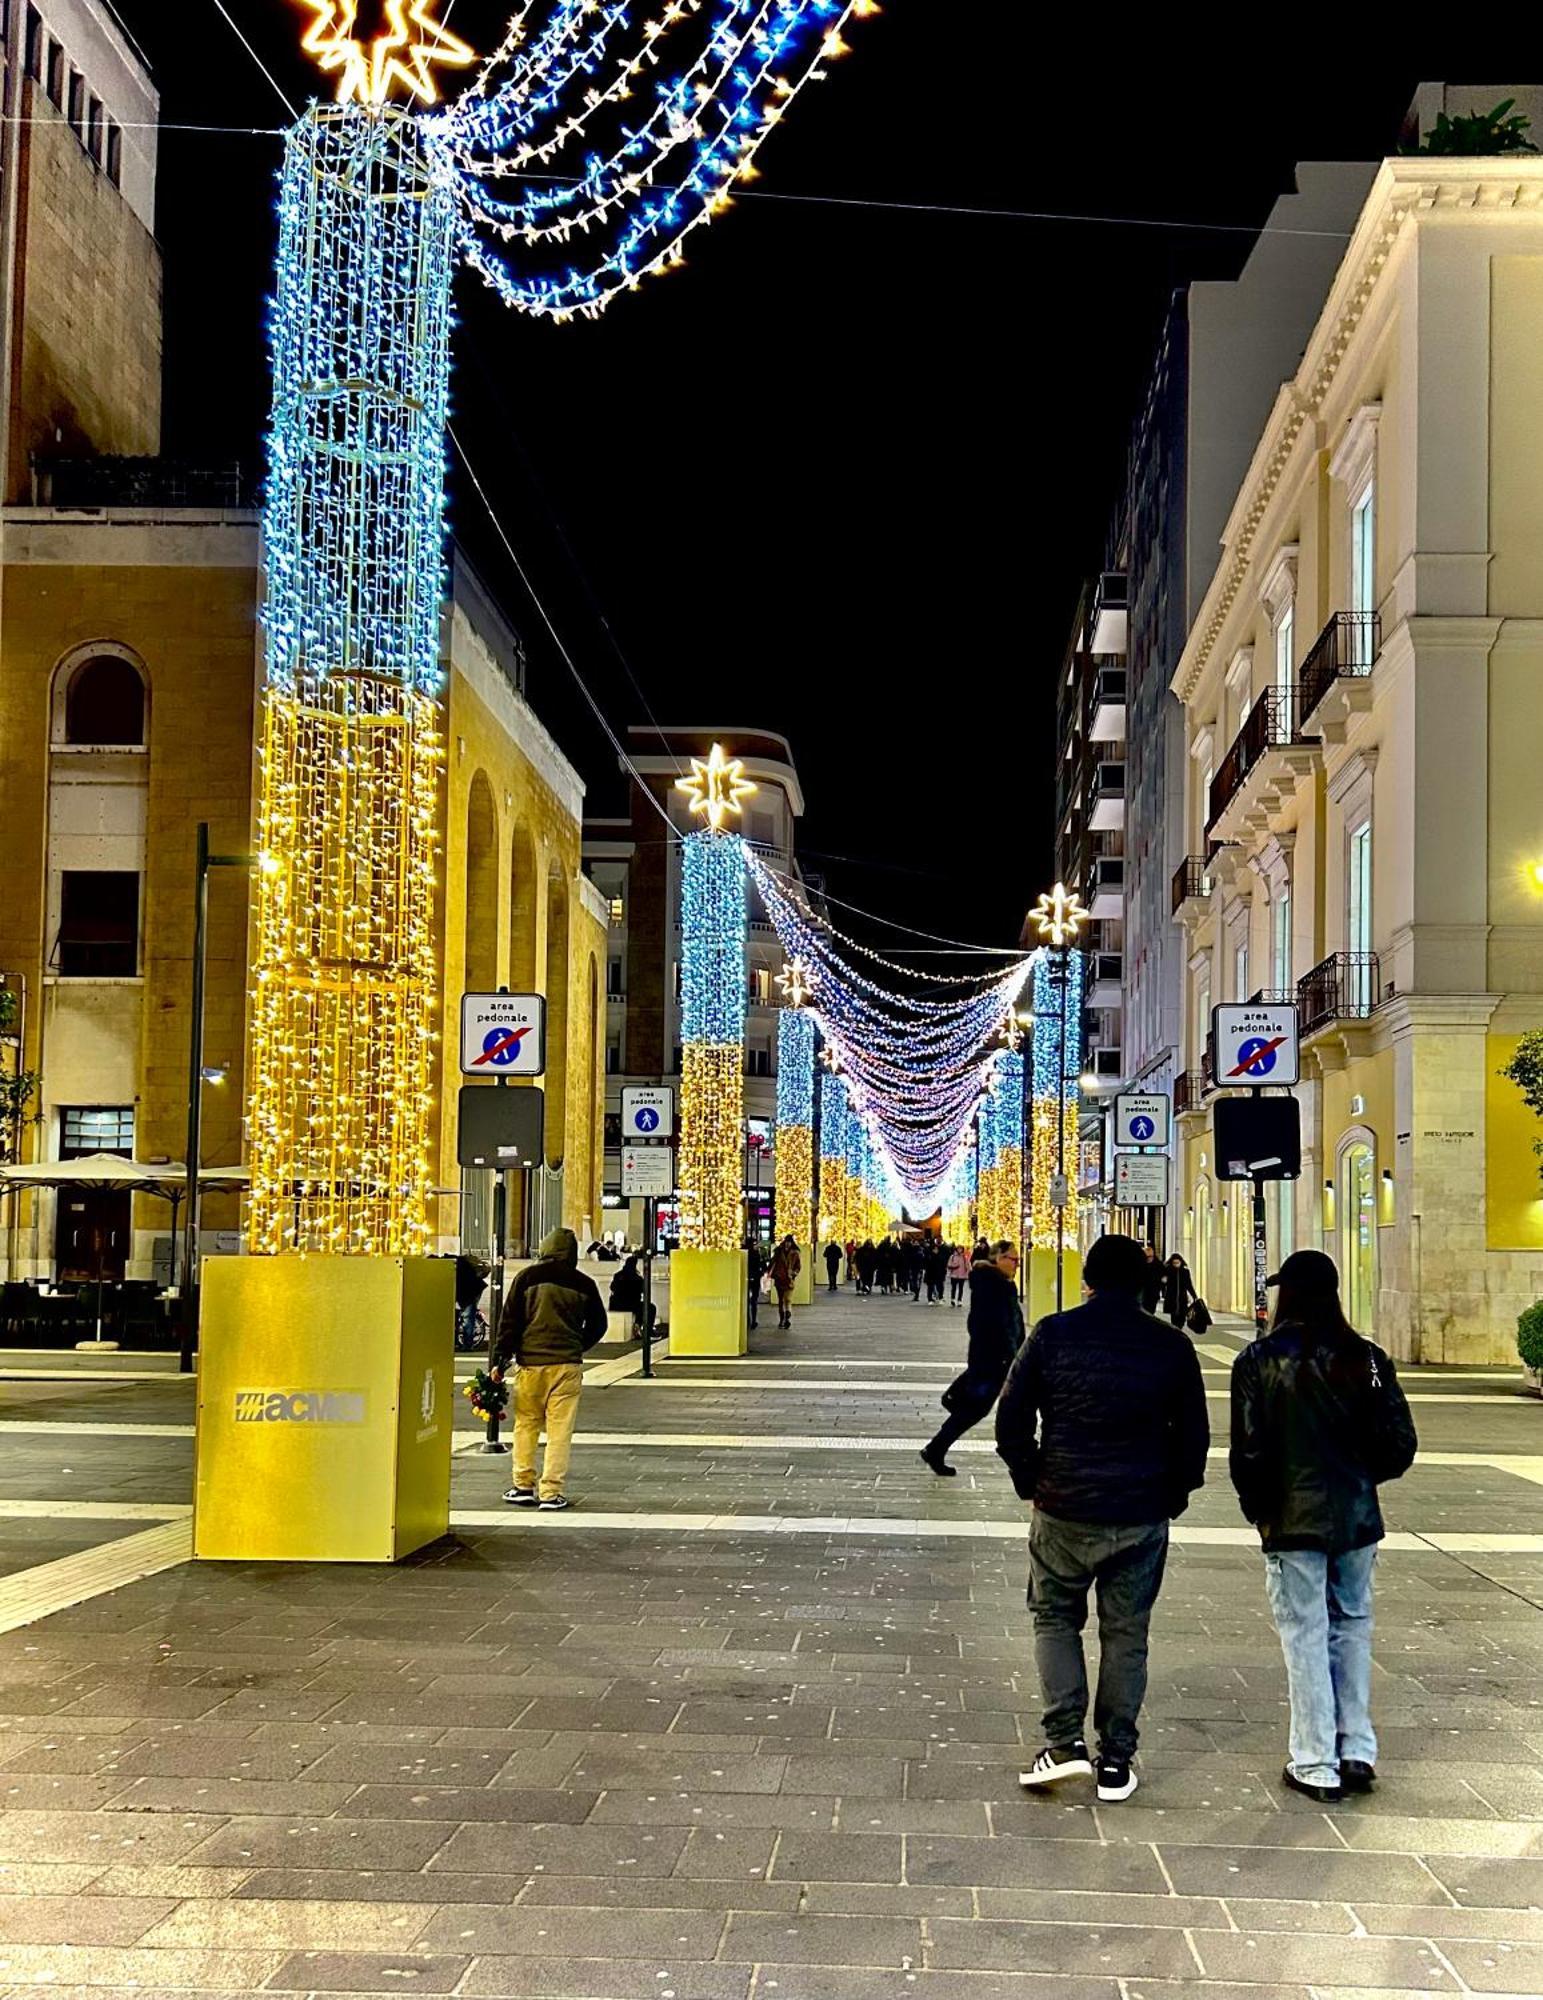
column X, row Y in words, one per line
column 1322, row 1607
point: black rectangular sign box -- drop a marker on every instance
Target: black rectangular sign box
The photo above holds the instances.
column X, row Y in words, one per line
column 1254, row 1129
column 501, row 1128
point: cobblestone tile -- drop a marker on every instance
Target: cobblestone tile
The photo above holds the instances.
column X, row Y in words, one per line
column 1390, row 1964
column 889, row 1941
column 566, row 1850
column 367, row 1972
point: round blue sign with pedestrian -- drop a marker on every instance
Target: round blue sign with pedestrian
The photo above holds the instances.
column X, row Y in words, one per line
column 1142, row 1129
column 1256, row 1057
column 501, row 1046
column 646, row 1119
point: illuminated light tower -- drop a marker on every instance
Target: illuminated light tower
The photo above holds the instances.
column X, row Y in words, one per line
column 562, row 197
column 1058, row 917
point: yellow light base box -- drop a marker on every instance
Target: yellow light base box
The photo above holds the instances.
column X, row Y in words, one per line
column 709, row 1308
column 803, row 1284
column 325, row 1396
column 1041, row 1298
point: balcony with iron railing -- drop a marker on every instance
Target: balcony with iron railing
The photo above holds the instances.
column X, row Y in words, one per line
column 1347, row 986
column 1188, row 1092
column 1344, row 653
column 1270, row 745
column 1191, row 884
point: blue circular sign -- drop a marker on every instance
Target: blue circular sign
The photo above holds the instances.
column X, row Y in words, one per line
column 1256, row 1057
column 646, row 1119
column 1142, row 1128
column 501, row 1046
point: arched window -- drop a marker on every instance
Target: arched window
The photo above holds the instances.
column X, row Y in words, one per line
column 481, row 937
column 1358, row 1232
column 104, row 704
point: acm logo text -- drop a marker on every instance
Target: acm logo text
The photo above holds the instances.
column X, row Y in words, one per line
column 300, row 1406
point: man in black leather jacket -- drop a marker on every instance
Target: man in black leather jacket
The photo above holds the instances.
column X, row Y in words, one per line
column 995, row 1329
column 1318, row 1421
column 1103, row 1426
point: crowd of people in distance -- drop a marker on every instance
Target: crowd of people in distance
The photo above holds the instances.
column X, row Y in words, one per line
column 914, row 1268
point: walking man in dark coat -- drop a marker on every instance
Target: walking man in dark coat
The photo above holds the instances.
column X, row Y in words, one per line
column 1103, row 1426
column 995, row 1329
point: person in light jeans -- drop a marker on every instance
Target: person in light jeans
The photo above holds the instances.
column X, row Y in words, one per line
column 1318, row 1423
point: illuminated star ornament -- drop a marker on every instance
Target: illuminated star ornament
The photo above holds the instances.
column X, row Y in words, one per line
column 797, row 983
column 402, row 57
column 1059, row 915
column 1012, row 1034
column 716, row 788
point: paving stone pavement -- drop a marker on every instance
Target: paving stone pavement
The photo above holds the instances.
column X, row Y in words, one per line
column 722, row 1764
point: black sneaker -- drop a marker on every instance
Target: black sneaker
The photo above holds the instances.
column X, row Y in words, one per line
column 1116, row 1779
column 938, row 1465
column 1052, row 1766
column 1324, row 1795
column 520, row 1496
column 1354, row 1776
column 558, row 1506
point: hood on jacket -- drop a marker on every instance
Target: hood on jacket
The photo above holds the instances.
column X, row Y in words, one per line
column 562, row 1246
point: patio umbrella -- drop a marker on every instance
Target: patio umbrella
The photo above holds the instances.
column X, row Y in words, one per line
column 110, row 1171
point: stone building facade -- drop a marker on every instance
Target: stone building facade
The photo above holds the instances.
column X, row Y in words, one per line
column 1364, row 738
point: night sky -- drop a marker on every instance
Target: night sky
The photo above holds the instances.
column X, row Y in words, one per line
column 844, row 475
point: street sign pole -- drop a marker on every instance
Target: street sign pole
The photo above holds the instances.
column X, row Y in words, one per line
column 494, row 1444
column 650, row 1230
column 1261, row 1251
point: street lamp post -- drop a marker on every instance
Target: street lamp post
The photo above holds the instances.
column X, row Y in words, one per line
column 189, row 1272
column 1058, row 916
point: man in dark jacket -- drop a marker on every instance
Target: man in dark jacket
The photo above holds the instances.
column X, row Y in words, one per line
column 551, row 1319
column 995, row 1329
column 1103, row 1426
column 1318, row 1422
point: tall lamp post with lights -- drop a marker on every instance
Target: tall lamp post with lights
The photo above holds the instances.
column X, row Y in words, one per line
column 1058, row 918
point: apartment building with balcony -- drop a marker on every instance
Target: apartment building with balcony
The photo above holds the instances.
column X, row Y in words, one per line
column 1364, row 819
column 634, row 863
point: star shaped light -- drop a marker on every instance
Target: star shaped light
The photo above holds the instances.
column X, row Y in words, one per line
column 402, row 58
column 1059, row 916
column 797, row 983
column 716, row 787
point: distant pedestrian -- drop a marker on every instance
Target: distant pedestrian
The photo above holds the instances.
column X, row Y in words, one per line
column 833, row 1264
column 785, row 1268
column 995, row 1330
column 1319, row 1422
column 851, row 1257
column 551, row 1318
column 937, row 1271
column 1179, row 1292
column 915, row 1265
column 884, row 1266
column 958, row 1273
column 867, row 1264
column 755, row 1271
column 1152, row 1289
column 1103, row 1426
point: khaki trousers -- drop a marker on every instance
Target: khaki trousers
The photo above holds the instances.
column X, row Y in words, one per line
column 545, row 1398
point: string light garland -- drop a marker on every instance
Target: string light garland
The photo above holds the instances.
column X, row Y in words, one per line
column 916, row 1066
column 714, row 908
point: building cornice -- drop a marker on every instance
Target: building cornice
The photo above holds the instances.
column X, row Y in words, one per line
column 1405, row 191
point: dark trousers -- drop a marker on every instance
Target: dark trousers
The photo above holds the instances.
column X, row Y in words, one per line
column 956, row 1289
column 968, row 1403
column 834, row 1270
column 1124, row 1567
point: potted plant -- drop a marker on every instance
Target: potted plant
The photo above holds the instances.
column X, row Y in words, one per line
column 1529, row 1343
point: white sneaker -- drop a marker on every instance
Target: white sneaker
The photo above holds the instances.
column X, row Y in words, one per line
column 1050, row 1767
column 1116, row 1780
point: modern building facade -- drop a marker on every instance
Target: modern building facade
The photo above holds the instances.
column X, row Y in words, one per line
column 1363, row 738
column 634, row 863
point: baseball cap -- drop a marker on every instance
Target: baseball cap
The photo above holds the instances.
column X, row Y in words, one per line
column 1310, row 1269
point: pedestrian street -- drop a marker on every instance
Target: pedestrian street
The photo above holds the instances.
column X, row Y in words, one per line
column 746, row 1724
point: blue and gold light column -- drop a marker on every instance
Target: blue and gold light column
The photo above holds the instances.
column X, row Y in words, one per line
column 1059, row 979
column 1008, row 1107
column 833, row 1152
column 708, row 1308
column 345, row 988
column 795, row 1140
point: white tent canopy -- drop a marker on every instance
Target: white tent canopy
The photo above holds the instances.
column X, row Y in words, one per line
column 107, row 1171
